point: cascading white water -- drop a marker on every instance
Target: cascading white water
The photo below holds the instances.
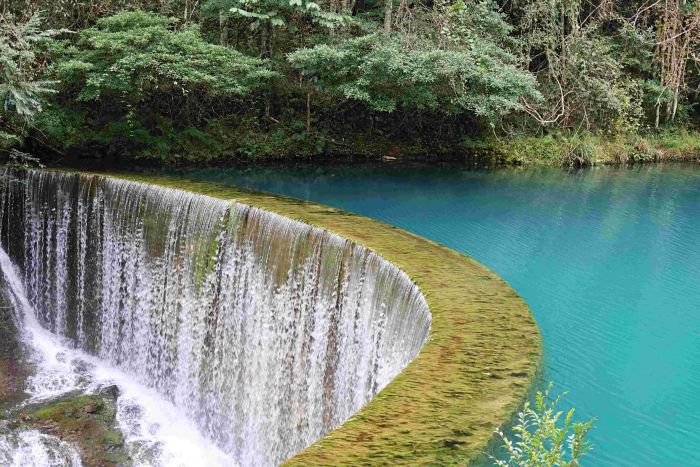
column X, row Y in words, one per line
column 157, row 433
column 32, row 448
column 265, row 332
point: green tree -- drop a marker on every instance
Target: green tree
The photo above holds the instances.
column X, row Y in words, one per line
column 22, row 89
column 677, row 48
column 136, row 82
column 178, row 79
column 265, row 20
column 74, row 15
column 464, row 68
column 572, row 48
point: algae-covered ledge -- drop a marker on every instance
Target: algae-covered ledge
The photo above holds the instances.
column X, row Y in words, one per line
column 477, row 367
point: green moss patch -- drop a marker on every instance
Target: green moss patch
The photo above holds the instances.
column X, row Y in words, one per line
column 476, row 369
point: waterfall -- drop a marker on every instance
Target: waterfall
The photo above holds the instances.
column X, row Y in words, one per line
column 156, row 432
column 266, row 332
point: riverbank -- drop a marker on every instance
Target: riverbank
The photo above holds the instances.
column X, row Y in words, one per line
column 591, row 150
column 554, row 150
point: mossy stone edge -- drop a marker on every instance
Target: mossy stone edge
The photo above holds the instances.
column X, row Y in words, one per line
column 477, row 368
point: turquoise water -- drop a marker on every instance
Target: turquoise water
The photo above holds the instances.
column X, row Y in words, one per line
column 608, row 259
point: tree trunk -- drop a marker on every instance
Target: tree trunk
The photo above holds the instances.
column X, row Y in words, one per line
column 675, row 104
column 270, row 40
column 223, row 28
column 658, row 112
column 388, row 7
column 262, row 42
column 308, row 111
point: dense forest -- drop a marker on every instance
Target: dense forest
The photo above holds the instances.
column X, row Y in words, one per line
column 218, row 81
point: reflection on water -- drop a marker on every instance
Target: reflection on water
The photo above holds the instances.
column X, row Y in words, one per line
column 608, row 259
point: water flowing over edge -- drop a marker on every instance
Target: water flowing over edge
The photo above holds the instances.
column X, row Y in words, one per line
column 266, row 333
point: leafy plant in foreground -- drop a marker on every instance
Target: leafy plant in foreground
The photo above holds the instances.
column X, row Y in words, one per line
column 21, row 87
column 542, row 437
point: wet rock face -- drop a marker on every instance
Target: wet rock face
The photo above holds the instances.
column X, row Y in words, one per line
column 13, row 368
column 86, row 421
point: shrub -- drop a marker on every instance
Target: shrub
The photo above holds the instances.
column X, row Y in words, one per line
column 136, row 85
column 544, row 436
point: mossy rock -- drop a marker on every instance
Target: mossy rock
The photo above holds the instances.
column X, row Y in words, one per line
column 86, row 421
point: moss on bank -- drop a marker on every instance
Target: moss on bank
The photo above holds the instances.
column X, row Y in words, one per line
column 588, row 150
column 471, row 376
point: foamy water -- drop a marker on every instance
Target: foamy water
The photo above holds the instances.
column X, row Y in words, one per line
column 156, row 432
column 34, row 449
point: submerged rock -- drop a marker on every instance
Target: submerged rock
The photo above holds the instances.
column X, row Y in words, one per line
column 110, row 391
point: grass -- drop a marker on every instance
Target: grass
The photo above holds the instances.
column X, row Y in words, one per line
column 586, row 149
column 470, row 378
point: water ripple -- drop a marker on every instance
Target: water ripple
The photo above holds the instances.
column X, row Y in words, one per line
column 608, row 259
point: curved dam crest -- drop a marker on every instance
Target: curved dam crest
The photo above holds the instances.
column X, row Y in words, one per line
column 266, row 331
